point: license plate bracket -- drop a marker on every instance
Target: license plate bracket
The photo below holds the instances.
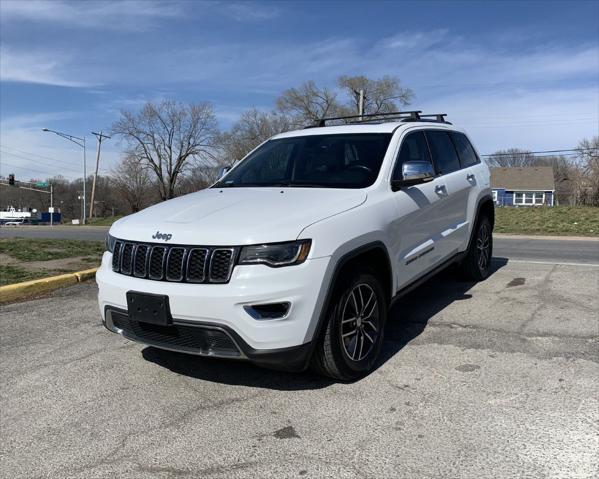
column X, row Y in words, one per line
column 149, row 308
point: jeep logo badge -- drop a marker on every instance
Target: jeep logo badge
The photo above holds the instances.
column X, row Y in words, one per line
column 162, row 236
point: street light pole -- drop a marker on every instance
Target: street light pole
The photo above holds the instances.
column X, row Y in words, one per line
column 84, row 181
column 100, row 137
column 51, row 205
column 80, row 142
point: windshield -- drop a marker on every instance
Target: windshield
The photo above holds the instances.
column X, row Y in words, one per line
column 327, row 161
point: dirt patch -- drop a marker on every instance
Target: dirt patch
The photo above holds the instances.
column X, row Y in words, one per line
column 64, row 264
column 6, row 259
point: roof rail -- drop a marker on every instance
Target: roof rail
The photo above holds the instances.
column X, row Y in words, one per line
column 439, row 117
column 414, row 114
column 405, row 116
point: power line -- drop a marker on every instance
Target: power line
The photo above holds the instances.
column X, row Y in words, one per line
column 54, row 161
column 36, row 154
column 524, row 152
column 40, row 161
column 519, row 122
column 27, row 169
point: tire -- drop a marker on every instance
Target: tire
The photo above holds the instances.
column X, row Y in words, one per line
column 476, row 266
column 339, row 354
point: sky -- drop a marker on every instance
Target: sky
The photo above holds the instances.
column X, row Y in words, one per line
column 521, row 74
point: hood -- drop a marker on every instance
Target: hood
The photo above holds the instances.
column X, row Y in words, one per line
column 236, row 216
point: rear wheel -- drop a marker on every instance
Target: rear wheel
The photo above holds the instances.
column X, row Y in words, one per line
column 353, row 336
column 477, row 264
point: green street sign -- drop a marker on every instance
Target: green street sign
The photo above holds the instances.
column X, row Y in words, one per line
column 42, row 184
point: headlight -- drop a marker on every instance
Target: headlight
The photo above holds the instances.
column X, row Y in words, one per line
column 276, row 254
column 110, row 240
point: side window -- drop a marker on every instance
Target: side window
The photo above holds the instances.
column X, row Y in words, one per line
column 444, row 155
column 465, row 151
column 413, row 148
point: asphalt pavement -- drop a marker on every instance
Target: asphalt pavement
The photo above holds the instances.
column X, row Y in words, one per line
column 530, row 248
column 493, row 380
column 90, row 233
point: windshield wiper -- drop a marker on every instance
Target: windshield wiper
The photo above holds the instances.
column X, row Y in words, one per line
column 223, row 184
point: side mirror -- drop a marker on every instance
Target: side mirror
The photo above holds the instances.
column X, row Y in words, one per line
column 414, row 173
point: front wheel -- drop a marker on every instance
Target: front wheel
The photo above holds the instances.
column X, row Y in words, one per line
column 477, row 264
column 353, row 336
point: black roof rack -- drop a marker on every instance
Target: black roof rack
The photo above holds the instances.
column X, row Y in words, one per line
column 405, row 116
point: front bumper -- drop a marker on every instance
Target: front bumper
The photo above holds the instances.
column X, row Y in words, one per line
column 205, row 340
column 222, row 305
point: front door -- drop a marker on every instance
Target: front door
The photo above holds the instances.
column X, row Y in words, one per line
column 419, row 218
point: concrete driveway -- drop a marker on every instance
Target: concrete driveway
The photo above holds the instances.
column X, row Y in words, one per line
column 499, row 379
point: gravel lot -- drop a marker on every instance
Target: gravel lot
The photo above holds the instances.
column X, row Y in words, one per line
column 496, row 380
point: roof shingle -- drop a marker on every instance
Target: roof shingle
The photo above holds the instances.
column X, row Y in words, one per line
column 522, row 179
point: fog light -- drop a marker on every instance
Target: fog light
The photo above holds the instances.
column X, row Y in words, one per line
column 268, row 311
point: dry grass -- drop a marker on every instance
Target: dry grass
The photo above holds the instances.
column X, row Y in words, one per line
column 541, row 220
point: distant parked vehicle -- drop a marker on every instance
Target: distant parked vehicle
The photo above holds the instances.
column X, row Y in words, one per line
column 12, row 217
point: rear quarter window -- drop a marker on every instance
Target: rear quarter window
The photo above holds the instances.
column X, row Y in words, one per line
column 464, row 148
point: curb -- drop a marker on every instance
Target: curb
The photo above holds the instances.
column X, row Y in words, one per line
column 13, row 292
column 546, row 237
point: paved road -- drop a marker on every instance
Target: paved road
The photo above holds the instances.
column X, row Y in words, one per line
column 93, row 233
column 547, row 250
column 518, row 248
column 495, row 380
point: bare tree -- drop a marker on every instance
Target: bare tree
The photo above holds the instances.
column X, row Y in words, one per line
column 588, row 158
column 169, row 138
column 380, row 96
column 252, row 128
column 512, row 157
column 307, row 103
column 132, row 181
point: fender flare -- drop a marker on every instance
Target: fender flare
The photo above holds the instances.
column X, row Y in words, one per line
column 482, row 203
column 330, row 287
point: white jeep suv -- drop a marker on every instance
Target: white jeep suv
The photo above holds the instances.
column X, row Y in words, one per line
column 293, row 258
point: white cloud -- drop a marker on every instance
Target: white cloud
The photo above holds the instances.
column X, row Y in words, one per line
column 48, row 68
column 543, row 119
column 130, row 15
column 28, row 152
column 248, row 11
column 538, row 96
column 108, row 15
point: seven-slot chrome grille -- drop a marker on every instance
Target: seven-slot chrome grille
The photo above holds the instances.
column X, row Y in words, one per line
column 190, row 264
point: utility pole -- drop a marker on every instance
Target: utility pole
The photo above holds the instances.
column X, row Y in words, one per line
column 100, row 137
column 361, row 104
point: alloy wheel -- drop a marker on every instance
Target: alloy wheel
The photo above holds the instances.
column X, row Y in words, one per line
column 483, row 246
column 360, row 322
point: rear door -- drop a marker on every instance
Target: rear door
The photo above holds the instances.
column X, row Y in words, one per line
column 453, row 189
column 468, row 182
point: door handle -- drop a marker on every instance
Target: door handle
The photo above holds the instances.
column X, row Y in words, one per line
column 470, row 177
column 440, row 189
